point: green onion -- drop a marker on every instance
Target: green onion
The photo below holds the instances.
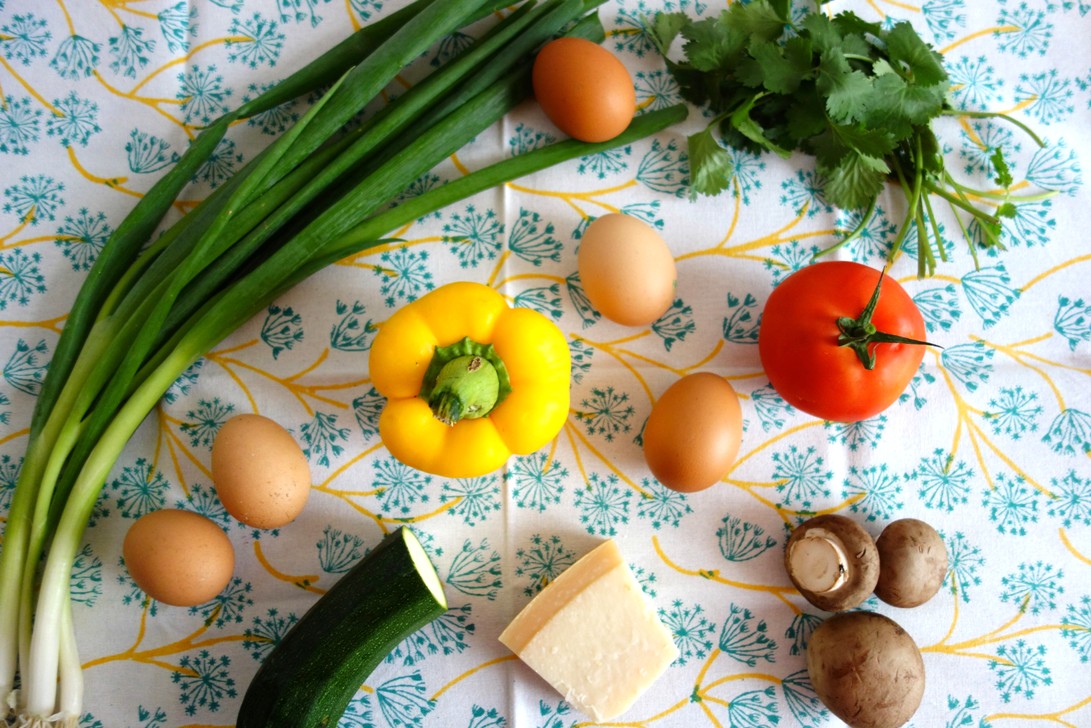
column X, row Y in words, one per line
column 149, row 309
column 108, row 269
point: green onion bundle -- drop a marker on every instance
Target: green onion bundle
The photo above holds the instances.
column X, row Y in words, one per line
column 148, row 310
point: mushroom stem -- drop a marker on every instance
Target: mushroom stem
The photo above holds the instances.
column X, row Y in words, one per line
column 833, row 562
column 818, row 561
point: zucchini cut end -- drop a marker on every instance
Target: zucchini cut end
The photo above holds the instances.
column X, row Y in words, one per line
column 424, row 566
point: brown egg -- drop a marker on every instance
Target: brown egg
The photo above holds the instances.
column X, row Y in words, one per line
column 627, row 271
column 694, row 432
column 583, row 89
column 178, row 557
column 260, row 472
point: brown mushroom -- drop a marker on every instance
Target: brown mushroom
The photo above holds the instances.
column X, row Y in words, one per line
column 833, row 562
column 912, row 563
column 866, row 669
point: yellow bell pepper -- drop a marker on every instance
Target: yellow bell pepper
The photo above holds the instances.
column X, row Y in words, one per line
column 469, row 381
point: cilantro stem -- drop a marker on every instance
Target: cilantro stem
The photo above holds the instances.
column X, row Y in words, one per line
column 913, row 196
column 926, row 259
column 989, row 195
column 986, row 223
column 996, row 115
column 856, row 232
column 960, row 200
column 931, row 214
column 966, row 234
column 859, row 57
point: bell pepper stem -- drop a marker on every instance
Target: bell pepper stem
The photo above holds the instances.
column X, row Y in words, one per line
column 464, row 380
column 466, row 388
column 861, row 335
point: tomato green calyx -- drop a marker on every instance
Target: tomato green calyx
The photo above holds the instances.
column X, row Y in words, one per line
column 861, row 335
column 465, row 380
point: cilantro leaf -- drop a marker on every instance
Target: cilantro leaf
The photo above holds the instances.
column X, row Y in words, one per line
column 821, row 32
column 844, row 99
column 867, row 141
column 846, row 89
column 775, row 68
column 905, row 46
column 692, row 85
column 855, row 31
column 782, row 8
column 882, row 67
column 931, row 152
column 749, row 72
column 893, row 103
column 710, row 166
column 856, row 181
column 838, row 140
column 665, row 28
column 712, row 45
column 806, row 117
column 758, row 20
column 1003, row 172
column 743, row 123
column 991, row 229
column 827, row 148
column 799, row 52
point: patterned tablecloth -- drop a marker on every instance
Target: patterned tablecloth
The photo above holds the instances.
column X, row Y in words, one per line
column 990, row 443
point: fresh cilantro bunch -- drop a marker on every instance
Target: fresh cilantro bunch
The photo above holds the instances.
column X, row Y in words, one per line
column 858, row 97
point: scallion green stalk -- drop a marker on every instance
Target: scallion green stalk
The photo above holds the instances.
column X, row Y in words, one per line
column 359, row 86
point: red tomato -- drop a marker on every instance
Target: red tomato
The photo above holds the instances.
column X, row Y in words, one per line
column 798, row 341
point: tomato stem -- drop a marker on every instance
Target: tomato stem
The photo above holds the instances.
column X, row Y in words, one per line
column 861, row 335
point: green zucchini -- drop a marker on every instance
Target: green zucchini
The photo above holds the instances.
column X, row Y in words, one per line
column 311, row 675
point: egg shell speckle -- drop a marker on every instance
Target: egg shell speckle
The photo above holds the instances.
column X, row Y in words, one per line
column 260, row 472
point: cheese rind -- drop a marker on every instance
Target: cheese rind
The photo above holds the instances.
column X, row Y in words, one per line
column 593, row 635
column 559, row 593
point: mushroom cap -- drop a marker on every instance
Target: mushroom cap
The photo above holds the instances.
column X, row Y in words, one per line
column 866, row 669
column 913, row 563
column 856, row 557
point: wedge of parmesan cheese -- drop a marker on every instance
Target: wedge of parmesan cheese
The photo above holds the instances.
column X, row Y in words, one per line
column 593, row 635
